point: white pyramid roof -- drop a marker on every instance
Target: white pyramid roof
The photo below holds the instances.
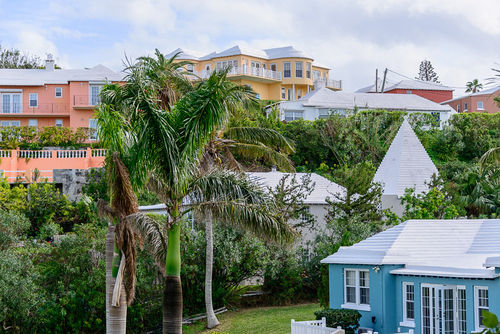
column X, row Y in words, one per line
column 405, row 165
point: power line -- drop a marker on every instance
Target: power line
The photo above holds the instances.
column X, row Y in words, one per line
column 404, row 76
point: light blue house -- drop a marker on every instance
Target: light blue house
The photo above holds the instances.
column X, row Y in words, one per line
column 428, row 276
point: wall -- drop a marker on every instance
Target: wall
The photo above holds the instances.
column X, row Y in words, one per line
column 392, row 202
column 382, row 295
column 72, row 181
column 437, row 96
column 490, row 106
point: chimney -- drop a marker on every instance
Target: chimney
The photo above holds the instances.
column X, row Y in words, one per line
column 49, row 63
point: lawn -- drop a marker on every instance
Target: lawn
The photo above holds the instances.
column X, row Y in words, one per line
column 270, row 320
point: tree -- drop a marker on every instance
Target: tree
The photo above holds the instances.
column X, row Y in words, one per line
column 433, row 204
column 168, row 140
column 427, row 73
column 13, row 58
column 473, row 86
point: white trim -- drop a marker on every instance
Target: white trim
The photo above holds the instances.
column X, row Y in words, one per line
column 410, row 324
column 33, row 120
column 9, row 90
column 359, row 307
column 482, row 105
column 405, row 302
column 290, row 64
column 55, row 92
column 477, row 326
column 59, row 121
column 35, row 99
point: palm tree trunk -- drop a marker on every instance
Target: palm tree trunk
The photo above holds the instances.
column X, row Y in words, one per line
column 116, row 317
column 172, row 307
column 212, row 320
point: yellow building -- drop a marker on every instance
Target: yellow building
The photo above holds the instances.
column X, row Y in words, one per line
column 274, row 74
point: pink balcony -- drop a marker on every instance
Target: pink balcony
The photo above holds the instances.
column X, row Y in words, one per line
column 20, row 165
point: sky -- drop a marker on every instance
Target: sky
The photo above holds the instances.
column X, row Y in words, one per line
column 461, row 38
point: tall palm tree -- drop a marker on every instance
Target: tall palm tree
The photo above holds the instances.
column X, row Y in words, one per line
column 120, row 242
column 473, row 86
column 168, row 139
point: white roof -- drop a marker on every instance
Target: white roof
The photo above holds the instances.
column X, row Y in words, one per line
column 40, row 77
column 405, row 84
column 488, row 91
column 405, row 165
column 327, row 98
column 454, row 248
column 274, row 53
column 323, row 188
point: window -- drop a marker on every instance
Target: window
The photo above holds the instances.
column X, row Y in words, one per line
column 257, row 96
column 11, row 123
column 480, row 105
column 443, row 309
column 458, row 107
column 299, row 93
column 190, row 68
column 11, row 103
column 305, row 215
column 316, row 75
column 324, row 113
column 33, row 122
column 273, row 67
column 93, row 129
column 287, row 70
column 283, row 93
column 289, row 94
column 95, row 99
column 480, row 303
column 462, row 310
column 298, row 69
column 408, row 92
column 465, row 106
column 308, row 70
column 58, row 91
column 220, row 65
column 59, row 122
column 293, row 115
column 357, row 289
column 408, row 302
column 33, row 100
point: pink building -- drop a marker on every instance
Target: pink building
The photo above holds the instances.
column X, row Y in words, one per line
column 52, row 97
column 482, row 101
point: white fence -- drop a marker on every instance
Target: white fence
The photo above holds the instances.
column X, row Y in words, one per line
column 314, row 327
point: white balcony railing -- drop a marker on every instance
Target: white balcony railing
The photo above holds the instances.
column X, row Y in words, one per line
column 329, row 83
column 252, row 71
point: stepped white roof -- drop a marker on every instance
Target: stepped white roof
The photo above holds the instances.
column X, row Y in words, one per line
column 405, row 165
column 327, row 98
column 448, row 248
column 323, row 188
column 405, row 84
column 273, row 53
column 40, row 77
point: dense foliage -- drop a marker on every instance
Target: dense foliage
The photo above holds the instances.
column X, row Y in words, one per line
column 346, row 319
column 33, row 138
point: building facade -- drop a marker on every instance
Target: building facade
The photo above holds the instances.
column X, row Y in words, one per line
column 482, row 101
column 274, row 74
column 421, row 276
column 428, row 90
column 52, row 97
column 322, row 102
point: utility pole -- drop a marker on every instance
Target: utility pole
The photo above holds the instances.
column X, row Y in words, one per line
column 376, row 80
column 383, row 81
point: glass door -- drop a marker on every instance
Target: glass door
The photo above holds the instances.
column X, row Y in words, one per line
column 439, row 308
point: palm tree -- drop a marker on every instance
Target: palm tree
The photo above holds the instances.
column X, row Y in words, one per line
column 120, row 242
column 473, row 86
column 168, row 139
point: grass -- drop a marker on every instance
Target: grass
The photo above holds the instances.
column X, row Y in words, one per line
column 269, row 320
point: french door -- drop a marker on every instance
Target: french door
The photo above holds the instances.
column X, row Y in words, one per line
column 443, row 309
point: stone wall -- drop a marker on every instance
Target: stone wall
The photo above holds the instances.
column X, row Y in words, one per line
column 72, row 181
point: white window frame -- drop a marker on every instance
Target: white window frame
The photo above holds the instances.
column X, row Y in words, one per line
column 275, row 67
column 190, row 68
column 304, row 216
column 283, row 93
column 11, row 102
column 357, row 305
column 324, row 113
column 91, row 102
column 93, row 134
column 33, row 97
column 59, row 121
column 294, row 115
column 432, row 296
column 285, row 65
column 478, row 326
column 465, row 106
column 458, row 107
column 480, row 107
column 308, row 70
column 408, row 322
column 56, row 90
column 316, row 75
column 299, row 67
column 33, row 123
column 10, row 123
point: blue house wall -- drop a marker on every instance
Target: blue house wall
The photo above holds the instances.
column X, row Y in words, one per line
column 386, row 296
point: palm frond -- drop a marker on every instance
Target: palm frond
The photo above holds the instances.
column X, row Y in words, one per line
column 153, row 234
column 253, row 135
column 260, row 151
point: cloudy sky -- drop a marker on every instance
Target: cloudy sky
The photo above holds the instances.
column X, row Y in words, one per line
column 354, row 37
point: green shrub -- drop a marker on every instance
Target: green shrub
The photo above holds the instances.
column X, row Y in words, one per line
column 347, row 319
column 13, row 225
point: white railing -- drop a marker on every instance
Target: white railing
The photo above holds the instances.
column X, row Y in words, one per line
column 5, row 153
column 100, row 152
column 252, row 71
column 337, row 84
column 72, row 154
column 35, row 154
column 313, row 327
